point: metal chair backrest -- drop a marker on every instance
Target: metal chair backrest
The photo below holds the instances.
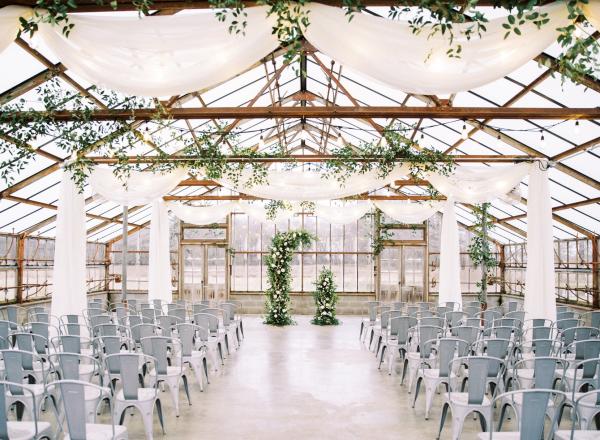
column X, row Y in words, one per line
column 148, row 315
column 73, row 329
column 453, row 318
column 589, row 377
column 471, row 311
column 4, row 331
column 427, row 334
column 399, row 327
column 134, row 320
column 562, row 324
column 207, row 320
column 481, row 368
column 542, row 332
column 178, row 312
column 167, row 324
column 545, row 347
column 534, row 407
column 231, row 308
column 71, row 343
column 452, row 305
column 412, row 311
column 448, row 349
column 512, row 306
column 212, row 311
column 593, row 318
column 187, row 335
column 467, row 333
column 100, row 319
column 544, row 370
column 157, row 303
column 12, row 316
column 128, row 365
column 426, row 314
column 585, row 349
column 473, row 322
column 198, row 308
column 432, row 320
column 498, row 348
column 67, row 364
column 157, row 347
column 143, row 331
column 423, row 306
column 18, row 364
column 442, row 310
column 566, row 315
column 397, row 305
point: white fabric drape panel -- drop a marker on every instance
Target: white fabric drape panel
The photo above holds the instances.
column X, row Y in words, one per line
column 163, row 55
column 388, row 51
column 342, row 214
column 479, row 184
column 159, row 260
column 449, row 282
column 69, row 294
column 540, row 300
column 201, row 215
column 309, row 185
column 408, row 212
column 140, row 188
column 592, row 13
column 9, row 24
column 258, row 212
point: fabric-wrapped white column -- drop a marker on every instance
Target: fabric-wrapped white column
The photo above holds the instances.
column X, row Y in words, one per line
column 540, row 300
column 159, row 261
column 69, row 273
column 449, row 286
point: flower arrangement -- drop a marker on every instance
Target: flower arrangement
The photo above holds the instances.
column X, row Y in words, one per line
column 283, row 246
column 325, row 299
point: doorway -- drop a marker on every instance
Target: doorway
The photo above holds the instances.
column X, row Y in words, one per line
column 204, row 270
column 402, row 269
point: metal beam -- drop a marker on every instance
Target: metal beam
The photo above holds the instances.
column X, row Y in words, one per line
column 247, row 197
column 340, row 112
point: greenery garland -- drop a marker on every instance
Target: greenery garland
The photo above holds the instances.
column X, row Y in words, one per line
column 279, row 274
column 480, row 250
column 325, row 299
column 579, row 55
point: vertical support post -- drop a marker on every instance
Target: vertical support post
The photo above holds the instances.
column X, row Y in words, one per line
column 484, row 233
column 595, row 274
column 502, row 266
column 20, row 267
column 124, row 255
column 107, row 262
column 377, row 262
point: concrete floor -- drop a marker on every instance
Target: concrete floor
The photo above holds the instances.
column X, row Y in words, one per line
column 301, row 382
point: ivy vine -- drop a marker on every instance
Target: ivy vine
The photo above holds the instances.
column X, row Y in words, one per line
column 480, row 250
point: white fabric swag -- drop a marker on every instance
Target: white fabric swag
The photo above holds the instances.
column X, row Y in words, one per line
column 449, row 278
column 159, row 261
column 540, row 300
column 592, row 13
column 476, row 184
column 407, row 212
column 163, row 55
column 69, row 295
column 172, row 55
column 9, row 24
column 310, row 185
column 139, row 188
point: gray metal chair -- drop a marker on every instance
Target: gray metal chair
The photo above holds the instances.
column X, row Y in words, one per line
column 33, row 430
column 534, row 405
column 18, row 366
column 133, row 393
column 396, row 342
column 461, row 404
column 72, row 397
column 192, row 353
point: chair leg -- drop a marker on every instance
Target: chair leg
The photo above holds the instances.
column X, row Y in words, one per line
column 417, row 388
column 186, row 388
column 205, row 364
column 160, row 415
column 502, row 415
column 381, row 356
column 379, row 341
column 371, row 338
column 405, row 366
column 443, row 419
column 429, row 392
column 362, row 327
column 227, row 344
column 220, row 349
column 482, row 422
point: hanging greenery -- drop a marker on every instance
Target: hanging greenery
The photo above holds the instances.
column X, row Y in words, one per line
column 325, row 299
column 480, row 249
column 380, row 234
column 279, row 275
column 578, row 58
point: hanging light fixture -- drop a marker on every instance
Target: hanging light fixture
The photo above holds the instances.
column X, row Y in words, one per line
column 576, row 129
column 542, row 140
column 384, row 142
column 261, row 143
column 464, row 134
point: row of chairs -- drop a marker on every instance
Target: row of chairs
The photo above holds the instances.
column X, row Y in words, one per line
column 105, row 358
column 491, row 354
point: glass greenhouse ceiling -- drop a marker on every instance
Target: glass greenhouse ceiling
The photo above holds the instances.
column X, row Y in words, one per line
column 27, row 204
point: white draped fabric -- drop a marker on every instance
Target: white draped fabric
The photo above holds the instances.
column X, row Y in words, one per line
column 540, row 300
column 449, row 282
column 342, row 214
column 408, row 212
column 162, row 55
column 172, row 55
column 69, row 272
column 479, row 184
column 388, row 51
column 159, row 259
column 201, row 215
column 310, row 185
column 139, row 188
column 9, row 24
column 592, row 13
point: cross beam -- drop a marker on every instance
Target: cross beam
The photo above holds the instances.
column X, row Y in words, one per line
column 340, row 112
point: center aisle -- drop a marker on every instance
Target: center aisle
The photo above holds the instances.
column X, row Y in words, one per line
column 304, row 382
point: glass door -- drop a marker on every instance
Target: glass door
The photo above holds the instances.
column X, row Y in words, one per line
column 402, row 273
column 204, row 272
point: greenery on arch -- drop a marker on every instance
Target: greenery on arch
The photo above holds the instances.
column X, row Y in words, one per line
column 279, row 275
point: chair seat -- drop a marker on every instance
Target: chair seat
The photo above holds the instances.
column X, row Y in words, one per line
column 38, row 390
column 144, row 394
column 515, row 435
column 462, row 399
column 587, row 401
column 95, row 431
column 518, row 399
column 579, row 435
column 26, row 430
